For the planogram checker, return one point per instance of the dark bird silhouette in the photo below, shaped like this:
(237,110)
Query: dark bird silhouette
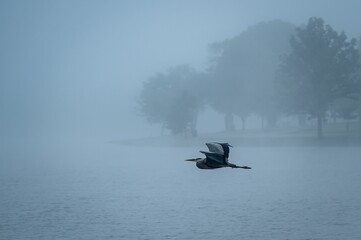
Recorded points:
(217,157)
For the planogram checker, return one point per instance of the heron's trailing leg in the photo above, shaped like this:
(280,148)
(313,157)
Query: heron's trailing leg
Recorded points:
(235,166)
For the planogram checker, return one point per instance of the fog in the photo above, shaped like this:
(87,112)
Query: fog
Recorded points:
(77,68)
(102,101)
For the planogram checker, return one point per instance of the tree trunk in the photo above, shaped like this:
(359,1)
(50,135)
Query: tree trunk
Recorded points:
(243,123)
(302,120)
(319,126)
(193,126)
(229,124)
(271,122)
(347,125)
(162,129)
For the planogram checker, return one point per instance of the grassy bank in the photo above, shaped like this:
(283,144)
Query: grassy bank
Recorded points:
(335,134)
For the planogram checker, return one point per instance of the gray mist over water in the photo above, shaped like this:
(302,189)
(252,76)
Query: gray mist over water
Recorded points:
(70,79)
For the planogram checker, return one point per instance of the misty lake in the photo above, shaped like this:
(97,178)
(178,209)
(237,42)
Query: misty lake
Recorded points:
(100,190)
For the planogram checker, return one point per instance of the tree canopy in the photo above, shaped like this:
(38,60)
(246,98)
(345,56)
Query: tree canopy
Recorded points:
(321,67)
(243,69)
(172,100)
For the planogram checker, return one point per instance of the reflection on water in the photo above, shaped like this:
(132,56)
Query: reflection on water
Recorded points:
(107,191)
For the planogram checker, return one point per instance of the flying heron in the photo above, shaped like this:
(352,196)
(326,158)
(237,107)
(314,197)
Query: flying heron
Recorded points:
(217,157)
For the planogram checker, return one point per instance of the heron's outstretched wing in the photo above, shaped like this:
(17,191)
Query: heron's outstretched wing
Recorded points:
(215,147)
(214,157)
(225,147)
(221,148)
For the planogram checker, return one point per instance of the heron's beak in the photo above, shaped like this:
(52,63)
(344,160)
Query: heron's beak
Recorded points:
(191,160)
(229,145)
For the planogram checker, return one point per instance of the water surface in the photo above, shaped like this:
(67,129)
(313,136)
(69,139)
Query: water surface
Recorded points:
(98,190)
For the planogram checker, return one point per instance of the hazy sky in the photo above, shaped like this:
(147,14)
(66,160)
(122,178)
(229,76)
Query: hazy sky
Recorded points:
(77,66)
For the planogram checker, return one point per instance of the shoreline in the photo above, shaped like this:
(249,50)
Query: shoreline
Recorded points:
(280,140)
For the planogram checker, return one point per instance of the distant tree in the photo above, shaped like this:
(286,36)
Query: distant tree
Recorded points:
(171,99)
(222,89)
(321,68)
(153,104)
(243,70)
(345,108)
(182,113)
(359,73)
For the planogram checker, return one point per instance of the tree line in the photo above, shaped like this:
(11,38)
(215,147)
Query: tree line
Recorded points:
(271,70)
